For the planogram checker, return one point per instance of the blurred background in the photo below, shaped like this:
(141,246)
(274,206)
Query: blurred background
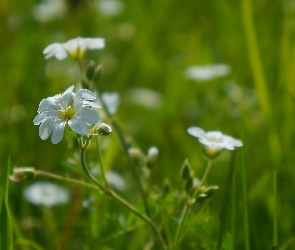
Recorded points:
(219,65)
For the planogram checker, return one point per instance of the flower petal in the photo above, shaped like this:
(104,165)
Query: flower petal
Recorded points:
(55,50)
(88,115)
(84,94)
(78,126)
(58,133)
(45,130)
(196,132)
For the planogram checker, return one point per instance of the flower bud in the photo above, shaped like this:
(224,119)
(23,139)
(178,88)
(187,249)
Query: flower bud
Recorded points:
(208,192)
(23,173)
(152,157)
(102,129)
(186,170)
(90,70)
(97,73)
(84,84)
(137,156)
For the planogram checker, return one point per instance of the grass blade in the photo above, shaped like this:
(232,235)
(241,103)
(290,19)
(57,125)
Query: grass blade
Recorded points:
(226,201)
(5,221)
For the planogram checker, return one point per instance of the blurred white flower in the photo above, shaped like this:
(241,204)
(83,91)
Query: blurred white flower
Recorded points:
(76,110)
(46,194)
(214,142)
(145,97)
(109,7)
(115,180)
(208,72)
(48,10)
(112,100)
(74,48)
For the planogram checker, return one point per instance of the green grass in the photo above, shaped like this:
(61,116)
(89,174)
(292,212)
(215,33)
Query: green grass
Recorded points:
(149,45)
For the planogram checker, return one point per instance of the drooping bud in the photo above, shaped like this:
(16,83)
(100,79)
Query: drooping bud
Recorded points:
(23,173)
(207,193)
(90,70)
(137,156)
(101,128)
(152,157)
(186,171)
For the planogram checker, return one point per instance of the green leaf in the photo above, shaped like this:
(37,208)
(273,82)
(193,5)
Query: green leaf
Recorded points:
(5,221)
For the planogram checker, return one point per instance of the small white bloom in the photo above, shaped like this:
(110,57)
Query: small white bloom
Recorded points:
(214,142)
(46,194)
(76,110)
(207,72)
(74,48)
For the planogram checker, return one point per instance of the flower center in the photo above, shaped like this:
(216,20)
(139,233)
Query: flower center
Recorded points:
(77,54)
(67,114)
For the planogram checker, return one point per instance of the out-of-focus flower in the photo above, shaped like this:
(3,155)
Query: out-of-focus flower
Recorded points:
(46,194)
(208,72)
(214,142)
(110,7)
(76,110)
(74,48)
(48,10)
(145,97)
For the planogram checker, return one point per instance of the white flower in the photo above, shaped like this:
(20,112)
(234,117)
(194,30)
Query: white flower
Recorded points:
(214,142)
(46,194)
(76,110)
(208,72)
(74,48)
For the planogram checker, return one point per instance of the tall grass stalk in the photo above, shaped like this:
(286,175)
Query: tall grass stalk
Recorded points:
(245,202)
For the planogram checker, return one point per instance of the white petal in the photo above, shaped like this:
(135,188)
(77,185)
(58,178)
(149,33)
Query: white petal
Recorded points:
(47,104)
(84,95)
(78,126)
(89,115)
(45,130)
(95,43)
(58,133)
(72,44)
(38,119)
(197,132)
(65,99)
(55,50)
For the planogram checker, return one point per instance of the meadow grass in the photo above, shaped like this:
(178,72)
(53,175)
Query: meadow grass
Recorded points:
(149,46)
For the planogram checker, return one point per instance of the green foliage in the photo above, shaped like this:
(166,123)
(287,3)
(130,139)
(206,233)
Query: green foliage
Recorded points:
(149,45)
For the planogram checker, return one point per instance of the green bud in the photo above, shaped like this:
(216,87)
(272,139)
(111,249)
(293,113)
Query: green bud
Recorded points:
(23,173)
(186,170)
(84,84)
(189,185)
(90,70)
(211,191)
(102,129)
(97,73)
(166,186)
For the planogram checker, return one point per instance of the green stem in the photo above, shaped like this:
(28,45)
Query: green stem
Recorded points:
(101,163)
(181,224)
(123,202)
(188,204)
(125,146)
(61,178)
(83,162)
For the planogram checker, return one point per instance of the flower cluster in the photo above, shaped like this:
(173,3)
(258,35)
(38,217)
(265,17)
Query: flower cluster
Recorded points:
(76,110)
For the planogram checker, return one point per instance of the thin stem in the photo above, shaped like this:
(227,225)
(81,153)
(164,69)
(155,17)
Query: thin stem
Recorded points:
(88,174)
(61,178)
(181,224)
(120,200)
(100,162)
(125,146)
(187,206)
